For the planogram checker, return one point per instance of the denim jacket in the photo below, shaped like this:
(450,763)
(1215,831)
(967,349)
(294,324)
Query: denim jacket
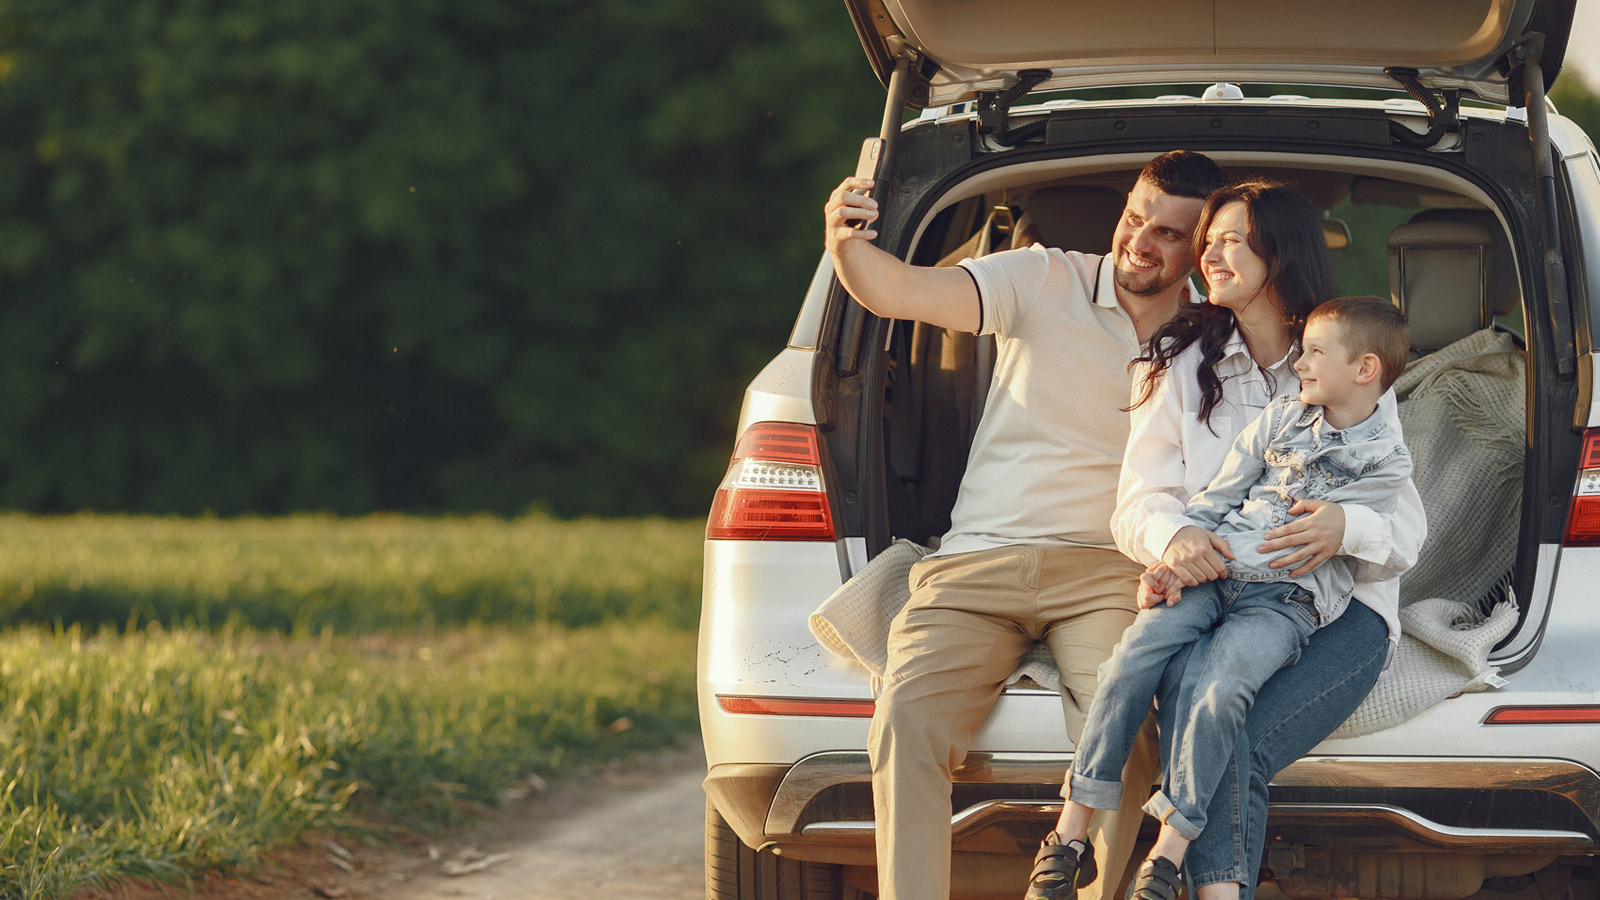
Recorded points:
(1288,453)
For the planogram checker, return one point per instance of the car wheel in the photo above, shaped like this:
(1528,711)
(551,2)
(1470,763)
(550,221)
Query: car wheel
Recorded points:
(736,872)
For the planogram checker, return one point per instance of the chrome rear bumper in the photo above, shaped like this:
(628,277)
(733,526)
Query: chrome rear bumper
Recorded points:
(1355,803)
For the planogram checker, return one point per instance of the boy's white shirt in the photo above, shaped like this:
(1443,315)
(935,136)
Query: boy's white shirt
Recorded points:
(1172,455)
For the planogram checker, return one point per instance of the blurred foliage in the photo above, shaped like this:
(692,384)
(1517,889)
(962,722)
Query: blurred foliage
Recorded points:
(426,255)
(1576,100)
(420,256)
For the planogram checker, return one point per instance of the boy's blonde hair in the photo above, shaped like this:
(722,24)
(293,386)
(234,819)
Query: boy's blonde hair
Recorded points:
(1370,325)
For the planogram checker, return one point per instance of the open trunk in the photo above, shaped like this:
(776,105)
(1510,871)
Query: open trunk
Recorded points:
(1453,240)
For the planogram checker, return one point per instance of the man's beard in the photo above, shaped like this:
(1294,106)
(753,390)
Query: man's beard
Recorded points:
(1143,285)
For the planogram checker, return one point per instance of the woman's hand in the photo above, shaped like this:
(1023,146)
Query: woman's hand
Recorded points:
(1195,555)
(1314,535)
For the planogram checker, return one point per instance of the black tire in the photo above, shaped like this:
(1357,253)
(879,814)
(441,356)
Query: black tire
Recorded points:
(736,872)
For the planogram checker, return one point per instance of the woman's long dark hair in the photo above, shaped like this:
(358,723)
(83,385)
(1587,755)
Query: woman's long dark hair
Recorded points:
(1286,232)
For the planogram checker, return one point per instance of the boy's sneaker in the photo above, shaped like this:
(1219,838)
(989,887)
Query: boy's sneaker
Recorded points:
(1060,869)
(1158,879)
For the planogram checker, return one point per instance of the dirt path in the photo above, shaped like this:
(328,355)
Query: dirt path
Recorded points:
(634,829)
(637,831)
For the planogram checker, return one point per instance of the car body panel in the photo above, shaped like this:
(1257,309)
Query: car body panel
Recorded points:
(781,392)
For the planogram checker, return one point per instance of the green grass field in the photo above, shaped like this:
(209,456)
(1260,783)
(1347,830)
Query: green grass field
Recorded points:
(180,695)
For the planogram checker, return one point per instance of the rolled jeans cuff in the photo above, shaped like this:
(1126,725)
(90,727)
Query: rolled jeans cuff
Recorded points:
(1196,881)
(1093,793)
(1160,806)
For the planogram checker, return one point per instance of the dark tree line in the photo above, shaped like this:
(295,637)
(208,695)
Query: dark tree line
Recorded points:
(422,255)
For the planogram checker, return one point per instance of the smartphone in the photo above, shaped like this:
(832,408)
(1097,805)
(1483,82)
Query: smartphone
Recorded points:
(867,167)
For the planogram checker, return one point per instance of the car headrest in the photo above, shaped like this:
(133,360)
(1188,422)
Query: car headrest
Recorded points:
(1505,295)
(1438,277)
(1072,217)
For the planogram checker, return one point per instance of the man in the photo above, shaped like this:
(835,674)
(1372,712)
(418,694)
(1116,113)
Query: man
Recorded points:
(1029,555)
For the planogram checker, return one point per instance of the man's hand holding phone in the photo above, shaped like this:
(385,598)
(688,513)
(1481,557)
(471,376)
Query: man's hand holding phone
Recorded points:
(868,166)
(851,207)
(882,282)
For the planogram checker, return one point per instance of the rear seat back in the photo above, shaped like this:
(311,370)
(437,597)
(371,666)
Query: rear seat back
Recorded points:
(1072,217)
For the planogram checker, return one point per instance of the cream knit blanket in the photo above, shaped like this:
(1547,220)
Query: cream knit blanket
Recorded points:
(1443,651)
(854,621)
(1463,411)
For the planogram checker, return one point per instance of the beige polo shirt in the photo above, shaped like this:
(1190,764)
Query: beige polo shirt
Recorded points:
(1044,462)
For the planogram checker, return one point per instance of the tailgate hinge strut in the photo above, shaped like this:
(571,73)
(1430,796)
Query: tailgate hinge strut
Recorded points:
(1443,115)
(908,82)
(1526,59)
(994,109)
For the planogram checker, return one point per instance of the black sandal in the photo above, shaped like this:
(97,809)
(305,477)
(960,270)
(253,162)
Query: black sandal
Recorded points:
(1059,870)
(1158,879)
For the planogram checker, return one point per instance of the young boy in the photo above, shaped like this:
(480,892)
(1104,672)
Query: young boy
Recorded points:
(1334,443)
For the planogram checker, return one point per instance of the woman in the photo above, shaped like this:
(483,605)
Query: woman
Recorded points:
(1206,375)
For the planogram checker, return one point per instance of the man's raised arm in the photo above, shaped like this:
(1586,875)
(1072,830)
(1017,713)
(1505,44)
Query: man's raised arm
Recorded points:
(892,288)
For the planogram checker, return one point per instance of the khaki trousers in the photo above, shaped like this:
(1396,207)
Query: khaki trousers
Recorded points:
(970,620)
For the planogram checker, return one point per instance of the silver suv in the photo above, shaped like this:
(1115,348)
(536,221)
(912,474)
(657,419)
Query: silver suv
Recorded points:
(1466,198)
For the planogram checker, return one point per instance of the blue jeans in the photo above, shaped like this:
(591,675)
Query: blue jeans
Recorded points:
(1293,712)
(1257,628)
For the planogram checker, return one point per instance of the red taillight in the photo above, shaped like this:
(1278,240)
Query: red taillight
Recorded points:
(1591,450)
(1544,715)
(783,442)
(782,706)
(1583,518)
(773,490)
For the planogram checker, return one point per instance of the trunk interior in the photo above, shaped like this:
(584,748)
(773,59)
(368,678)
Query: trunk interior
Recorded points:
(1462,284)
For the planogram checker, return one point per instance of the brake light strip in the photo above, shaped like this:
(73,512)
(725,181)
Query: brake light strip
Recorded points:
(790,706)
